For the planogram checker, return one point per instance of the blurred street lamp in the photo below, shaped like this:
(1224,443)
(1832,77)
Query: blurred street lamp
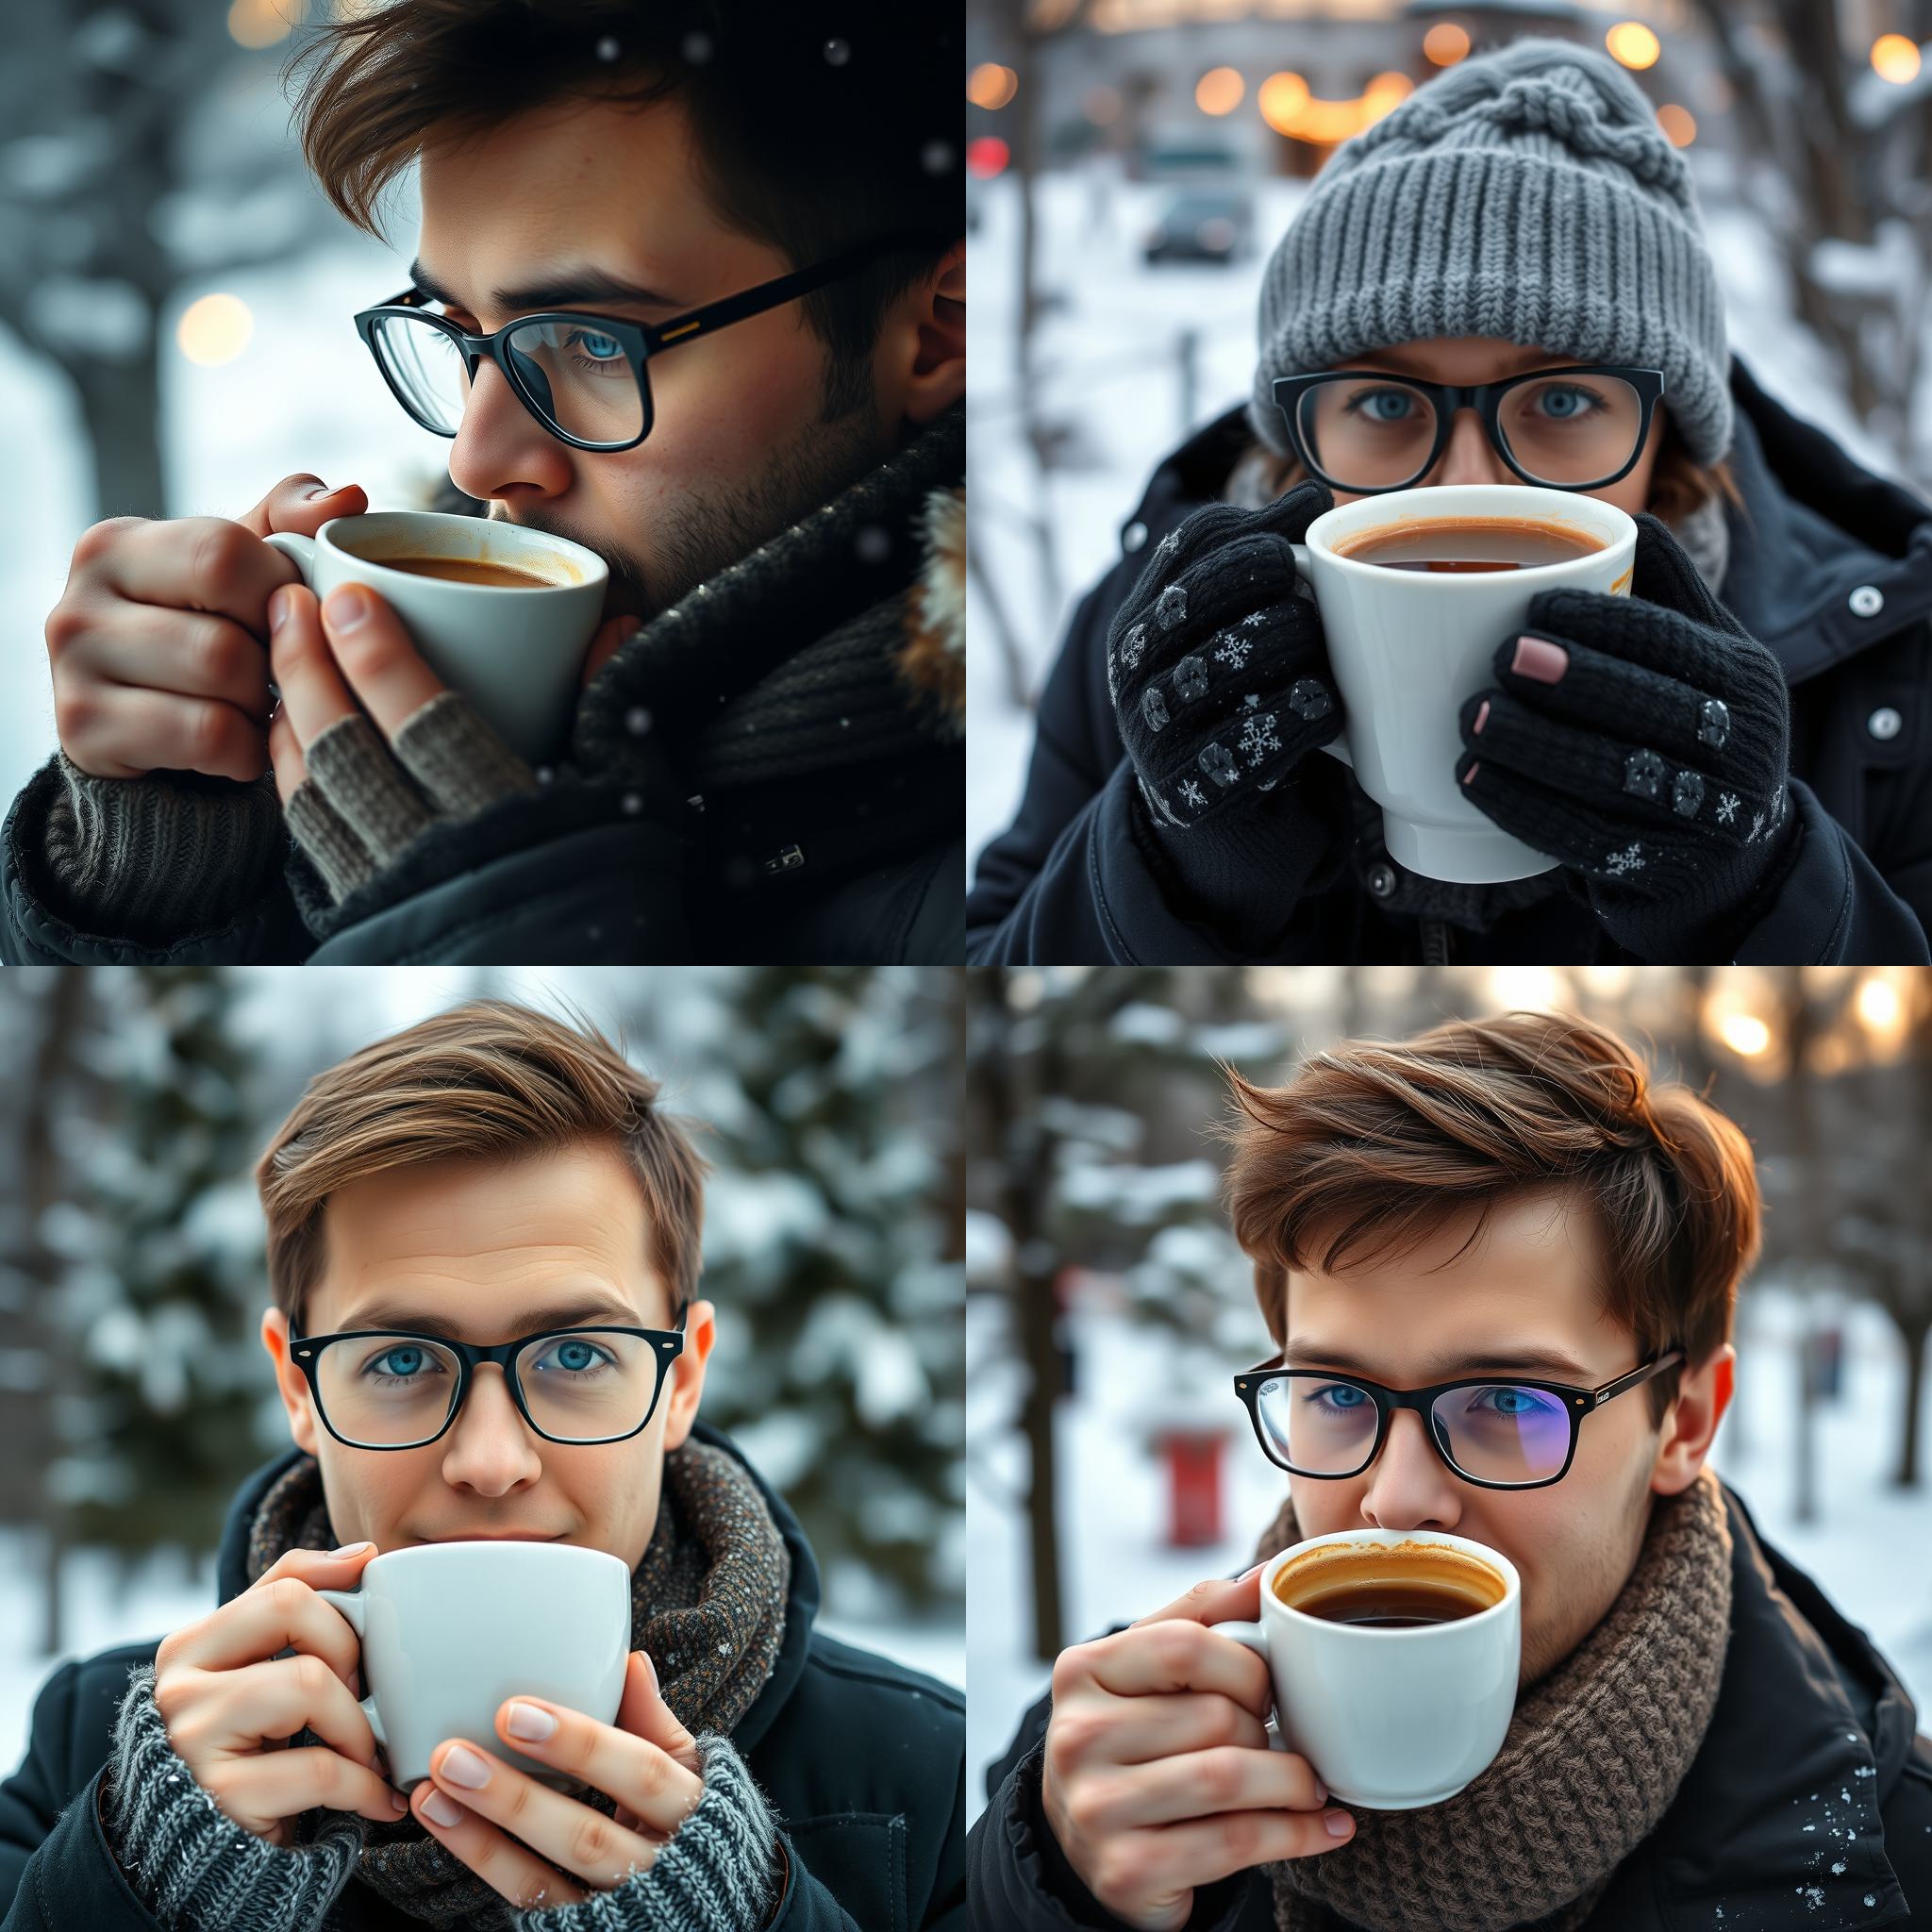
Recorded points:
(1633,43)
(1220,90)
(1281,98)
(258,23)
(1896,58)
(1446,44)
(1745,1034)
(986,157)
(992,86)
(214,331)
(1287,108)
(1679,125)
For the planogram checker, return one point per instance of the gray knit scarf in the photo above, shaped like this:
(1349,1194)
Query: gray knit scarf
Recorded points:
(708,1605)
(1592,1758)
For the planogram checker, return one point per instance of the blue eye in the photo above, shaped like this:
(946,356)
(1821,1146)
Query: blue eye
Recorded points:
(600,348)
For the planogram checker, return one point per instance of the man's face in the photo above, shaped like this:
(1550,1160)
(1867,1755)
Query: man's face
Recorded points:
(493,1247)
(1468,457)
(1527,1282)
(738,450)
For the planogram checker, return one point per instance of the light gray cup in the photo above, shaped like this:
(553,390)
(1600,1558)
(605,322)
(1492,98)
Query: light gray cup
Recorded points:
(516,655)
(1408,647)
(449,1631)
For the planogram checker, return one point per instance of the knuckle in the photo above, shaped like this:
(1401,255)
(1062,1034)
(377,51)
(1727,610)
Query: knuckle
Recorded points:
(221,552)
(1071,1669)
(1120,1874)
(1090,1804)
(592,1842)
(290,1595)
(314,1677)
(76,714)
(68,623)
(1244,1837)
(1218,1777)
(1075,1734)
(218,656)
(1228,1722)
(97,539)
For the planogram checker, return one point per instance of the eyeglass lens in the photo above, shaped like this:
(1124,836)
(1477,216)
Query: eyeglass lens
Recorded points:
(1497,1432)
(388,1391)
(580,379)
(1376,434)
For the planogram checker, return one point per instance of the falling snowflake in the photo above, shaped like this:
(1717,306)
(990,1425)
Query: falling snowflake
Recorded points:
(1255,620)
(1726,807)
(1171,606)
(1192,793)
(1258,736)
(1630,859)
(636,720)
(697,48)
(607,48)
(1234,651)
(936,157)
(633,803)
(837,53)
(872,544)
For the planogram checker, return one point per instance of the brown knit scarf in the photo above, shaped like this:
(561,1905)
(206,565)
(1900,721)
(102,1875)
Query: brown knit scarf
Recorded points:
(1593,1759)
(708,1605)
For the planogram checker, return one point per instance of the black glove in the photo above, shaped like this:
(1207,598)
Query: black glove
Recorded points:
(1648,752)
(1221,682)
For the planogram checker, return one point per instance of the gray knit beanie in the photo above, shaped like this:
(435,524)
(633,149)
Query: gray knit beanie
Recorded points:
(1526,194)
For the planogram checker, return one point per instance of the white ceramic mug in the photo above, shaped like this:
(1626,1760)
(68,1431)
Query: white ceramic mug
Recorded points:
(449,1631)
(1391,1720)
(516,655)
(1410,647)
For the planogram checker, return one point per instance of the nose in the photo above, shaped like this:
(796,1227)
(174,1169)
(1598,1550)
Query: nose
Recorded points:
(487,1448)
(501,450)
(1409,1487)
(1468,457)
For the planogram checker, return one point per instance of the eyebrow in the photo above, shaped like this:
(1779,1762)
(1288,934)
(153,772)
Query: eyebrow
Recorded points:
(388,1315)
(581,283)
(1402,365)
(1302,1352)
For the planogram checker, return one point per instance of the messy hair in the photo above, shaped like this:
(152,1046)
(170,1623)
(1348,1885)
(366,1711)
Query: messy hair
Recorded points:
(1374,1147)
(486,1079)
(815,127)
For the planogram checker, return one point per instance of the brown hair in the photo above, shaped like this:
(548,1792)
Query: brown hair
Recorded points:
(808,142)
(1678,482)
(488,1079)
(1373,1146)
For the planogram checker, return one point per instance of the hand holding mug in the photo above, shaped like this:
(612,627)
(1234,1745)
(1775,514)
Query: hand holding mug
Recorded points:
(1157,1776)
(230,1701)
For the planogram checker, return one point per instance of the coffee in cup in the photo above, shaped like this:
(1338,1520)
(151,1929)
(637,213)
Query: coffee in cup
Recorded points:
(1395,1657)
(1448,545)
(470,570)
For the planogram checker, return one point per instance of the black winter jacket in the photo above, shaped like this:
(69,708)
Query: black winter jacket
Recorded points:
(862,1760)
(1831,569)
(1807,1708)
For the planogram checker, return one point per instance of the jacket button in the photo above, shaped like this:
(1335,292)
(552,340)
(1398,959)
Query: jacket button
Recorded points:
(1381,881)
(1884,721)
(1133,537)
(1868,600)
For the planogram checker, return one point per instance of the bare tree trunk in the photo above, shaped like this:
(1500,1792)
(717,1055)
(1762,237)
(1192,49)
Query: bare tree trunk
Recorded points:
(1810,1223)
(1906,1474)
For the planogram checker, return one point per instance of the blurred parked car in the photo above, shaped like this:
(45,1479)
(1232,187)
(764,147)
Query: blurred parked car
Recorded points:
(1203,227)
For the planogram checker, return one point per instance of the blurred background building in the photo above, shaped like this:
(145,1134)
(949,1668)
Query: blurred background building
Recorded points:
(1131,165)
(134,1393)
(1110,1465)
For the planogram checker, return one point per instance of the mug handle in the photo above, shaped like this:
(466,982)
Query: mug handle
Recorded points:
(291,543)
(1256,1636)
(348,1601)
(1337,747)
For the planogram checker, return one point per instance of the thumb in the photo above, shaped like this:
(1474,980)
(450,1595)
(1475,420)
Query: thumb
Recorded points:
(644,1714)
(1291,513)
(301,505)
(1218,1599)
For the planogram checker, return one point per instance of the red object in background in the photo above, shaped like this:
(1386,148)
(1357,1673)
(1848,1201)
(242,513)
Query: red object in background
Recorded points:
(987,156)
(1193,1485)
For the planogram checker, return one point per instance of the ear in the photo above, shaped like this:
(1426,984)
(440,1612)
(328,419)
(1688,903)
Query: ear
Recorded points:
(1691,1421)
(290,1383)
(688,1374)
(930,340)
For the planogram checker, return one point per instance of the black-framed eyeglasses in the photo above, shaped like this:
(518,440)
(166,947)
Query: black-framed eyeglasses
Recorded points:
(392,1389)
(582,376)
(1499,1434)
(1366,431)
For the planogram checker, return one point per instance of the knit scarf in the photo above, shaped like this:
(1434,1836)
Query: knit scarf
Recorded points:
(1593,1756)
(708,1605)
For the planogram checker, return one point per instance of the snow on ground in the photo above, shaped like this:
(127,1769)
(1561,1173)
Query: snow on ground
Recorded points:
(166,1591)
(1109,369)
(1113,1502)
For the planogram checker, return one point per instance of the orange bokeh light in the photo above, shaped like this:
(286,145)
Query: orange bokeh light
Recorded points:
(1896,58)
(1220,90)
(1446,44)
(1678,123)
(990,85)
(1633,43)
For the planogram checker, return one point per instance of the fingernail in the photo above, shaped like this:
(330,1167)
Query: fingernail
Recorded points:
(1538,658)
(1321,1792)
(351,1549)
(346,606)
(461,1765)
(1471,774)
(526,1721)
(277,611)
(650,1669)
(316,494)
(440,1809)
(398,1802)
(1482,718)
(1339,1824)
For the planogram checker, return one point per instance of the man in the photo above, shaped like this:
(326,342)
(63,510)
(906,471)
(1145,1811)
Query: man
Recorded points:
(488,1176)
(767,757)
(1699,1735)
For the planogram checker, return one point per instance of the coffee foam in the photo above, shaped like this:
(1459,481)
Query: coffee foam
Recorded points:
(1336,1568)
